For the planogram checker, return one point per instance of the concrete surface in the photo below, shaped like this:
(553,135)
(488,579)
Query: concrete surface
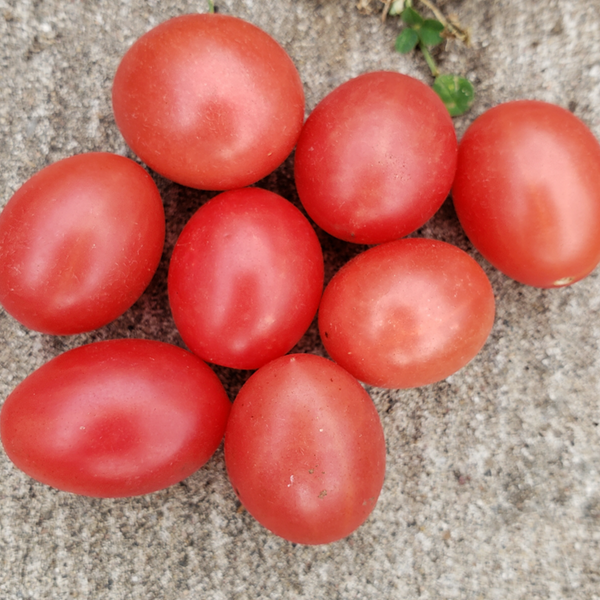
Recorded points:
(493,478)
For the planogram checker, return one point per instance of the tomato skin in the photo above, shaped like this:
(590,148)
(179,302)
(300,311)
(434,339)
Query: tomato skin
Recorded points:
(376,158)
(245,278)
(209,101)
(79,243)
(527,192)
(407,313)
(115,418)
(305,450)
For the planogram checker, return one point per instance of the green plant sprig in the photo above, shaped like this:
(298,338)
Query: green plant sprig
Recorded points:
(456,92)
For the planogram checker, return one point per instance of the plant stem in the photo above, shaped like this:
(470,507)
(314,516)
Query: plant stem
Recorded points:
(386,9)
(436,11)
(429,59)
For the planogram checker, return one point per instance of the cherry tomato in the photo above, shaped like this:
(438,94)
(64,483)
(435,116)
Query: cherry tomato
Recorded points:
(304,449)
(376,158)
(245,279)
(527,192)
(115,418)
(209,101)
(406,313)
(79,243)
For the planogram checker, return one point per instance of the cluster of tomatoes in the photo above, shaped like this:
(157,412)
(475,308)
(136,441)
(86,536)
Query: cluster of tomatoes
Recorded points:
(214,103)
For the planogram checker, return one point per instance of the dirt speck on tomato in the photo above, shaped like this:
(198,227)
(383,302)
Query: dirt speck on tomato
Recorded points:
(564,281)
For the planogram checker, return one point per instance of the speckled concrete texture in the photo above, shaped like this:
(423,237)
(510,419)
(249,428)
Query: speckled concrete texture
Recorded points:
(493,477)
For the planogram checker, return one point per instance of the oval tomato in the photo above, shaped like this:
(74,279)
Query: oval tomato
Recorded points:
(209,101)
(406,313)
(527,192)
(376,158)
(245,279)
(304,449)
(79,243)
(115,418)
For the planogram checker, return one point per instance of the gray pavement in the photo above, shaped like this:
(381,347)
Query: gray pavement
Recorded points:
(493,477)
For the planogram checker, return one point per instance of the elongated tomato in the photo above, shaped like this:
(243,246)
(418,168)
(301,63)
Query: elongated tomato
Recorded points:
(115,418)
(305,450)
(527,192)
(407,313)
(79,243)
(209,101)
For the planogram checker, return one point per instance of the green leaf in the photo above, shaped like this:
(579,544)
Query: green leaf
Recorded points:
(434,25)
(411,17)
(431,32)
(456,93)
(407,40)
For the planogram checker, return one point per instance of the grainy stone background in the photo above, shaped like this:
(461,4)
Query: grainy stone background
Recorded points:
(493,482)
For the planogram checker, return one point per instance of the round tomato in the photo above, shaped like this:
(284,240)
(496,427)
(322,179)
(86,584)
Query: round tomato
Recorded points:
(209,101)
(527,192)
(79,243)
(376,158)
(406,313)
(115,418)
(245,278)
(304,449)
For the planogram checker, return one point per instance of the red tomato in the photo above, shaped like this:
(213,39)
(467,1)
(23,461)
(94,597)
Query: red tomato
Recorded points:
(245,278)
(406,313)
(527,192)
(115,418)
(376,158)
(304,449)
(209,101)
(79,243)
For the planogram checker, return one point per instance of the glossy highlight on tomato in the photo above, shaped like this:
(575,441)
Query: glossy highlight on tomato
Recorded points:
(407,313)
(245,278)
(527,192)
(115,418)
(209,101)
(305,450)
(376,158)
(79,243)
